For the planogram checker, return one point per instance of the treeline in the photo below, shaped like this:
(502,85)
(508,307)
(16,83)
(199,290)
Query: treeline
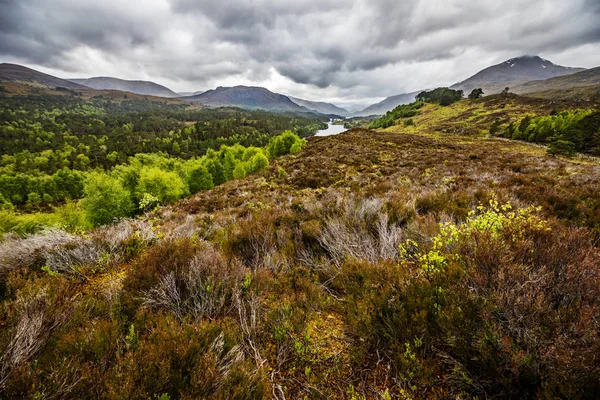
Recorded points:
(49,143)
(402,111)
(146,181)
(442,96)
(565,133)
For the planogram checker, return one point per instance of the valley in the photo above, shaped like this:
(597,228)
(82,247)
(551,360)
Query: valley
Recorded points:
(234,243)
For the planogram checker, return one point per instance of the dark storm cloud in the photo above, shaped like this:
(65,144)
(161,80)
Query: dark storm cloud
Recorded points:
(331,48)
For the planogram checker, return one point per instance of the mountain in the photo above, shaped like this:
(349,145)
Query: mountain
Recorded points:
(30,77)
(249,97)
(513,72)
(187,94)
(139,87)
(586,77)
(388,104)
(321,107)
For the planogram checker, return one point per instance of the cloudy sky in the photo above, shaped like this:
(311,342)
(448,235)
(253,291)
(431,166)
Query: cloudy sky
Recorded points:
(331,50)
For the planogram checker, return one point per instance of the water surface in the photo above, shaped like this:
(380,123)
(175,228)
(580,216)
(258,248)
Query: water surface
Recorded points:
(331,130)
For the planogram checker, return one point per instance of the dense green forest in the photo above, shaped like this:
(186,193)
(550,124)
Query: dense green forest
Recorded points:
(443,96)
(53,147)
(565,133)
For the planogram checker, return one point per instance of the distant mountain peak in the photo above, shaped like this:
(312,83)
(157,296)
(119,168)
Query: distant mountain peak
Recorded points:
(514,71)
(249,97)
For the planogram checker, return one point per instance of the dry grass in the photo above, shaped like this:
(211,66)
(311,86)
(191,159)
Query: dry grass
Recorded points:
(335,279)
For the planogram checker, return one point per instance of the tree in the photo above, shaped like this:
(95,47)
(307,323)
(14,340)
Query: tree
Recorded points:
(495,128)
(443,96)
(562,147)
(229,164)
(200,179)
(476,94)
(257,162)
(215,168)
(166,186)
(106,199)
(239,171)
(282,144)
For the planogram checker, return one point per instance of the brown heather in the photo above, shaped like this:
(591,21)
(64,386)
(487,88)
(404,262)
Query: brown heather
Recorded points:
(381,264)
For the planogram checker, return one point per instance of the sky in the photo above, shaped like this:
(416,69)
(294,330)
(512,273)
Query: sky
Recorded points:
(342,51)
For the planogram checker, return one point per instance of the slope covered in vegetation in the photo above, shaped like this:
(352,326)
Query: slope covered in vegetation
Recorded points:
(407,263)
(58,149)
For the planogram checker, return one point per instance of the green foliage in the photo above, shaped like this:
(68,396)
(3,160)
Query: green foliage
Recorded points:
(239,171)
(165,186)
(476,94)
(200,179)
(442,96)
(22,224)
(106,199)
(402,111)
(579,127)
(72,216)
(49,143)
(283,144)
(391,277)
(259,161)
(562,148)
(495,128)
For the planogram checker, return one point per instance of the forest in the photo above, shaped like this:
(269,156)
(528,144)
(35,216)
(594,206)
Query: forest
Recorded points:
(59,149)
(565,132)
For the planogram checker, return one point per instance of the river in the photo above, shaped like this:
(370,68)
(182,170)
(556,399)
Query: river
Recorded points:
(331,130)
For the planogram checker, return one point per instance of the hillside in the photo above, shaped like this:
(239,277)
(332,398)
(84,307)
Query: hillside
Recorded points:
(138,87)
(254,98)
(388,104)
(513,72)
(589,77)
(321,107)
(324,282)
(18,74)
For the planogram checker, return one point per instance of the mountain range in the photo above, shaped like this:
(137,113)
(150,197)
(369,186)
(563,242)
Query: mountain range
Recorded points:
(321,107)
(250,97)
(523,75)
(388,104)
(587,77)
(26,76)
(138,87)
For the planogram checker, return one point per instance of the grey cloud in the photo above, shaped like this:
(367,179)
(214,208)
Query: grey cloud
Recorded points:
(333,48)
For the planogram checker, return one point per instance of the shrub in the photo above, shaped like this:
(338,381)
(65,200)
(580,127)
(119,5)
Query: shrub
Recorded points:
(201,288)
(166,186)
(402,111)
(361,231)
(562,148)
(258,162)
(215,168)
(38,314)
(282,144)
(200,179)
(239,171)
(106,199)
